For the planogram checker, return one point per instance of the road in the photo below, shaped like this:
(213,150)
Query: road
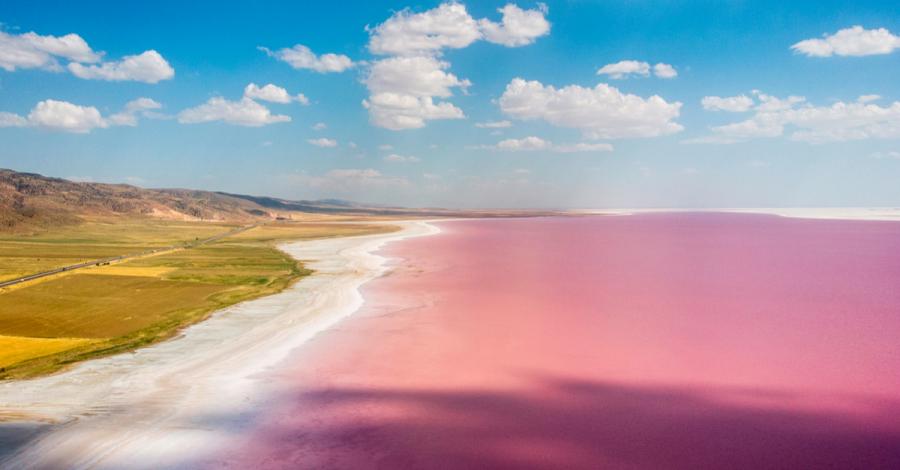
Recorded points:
(98,262)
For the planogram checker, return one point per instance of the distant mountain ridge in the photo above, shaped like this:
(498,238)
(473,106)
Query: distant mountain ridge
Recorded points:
(29,201)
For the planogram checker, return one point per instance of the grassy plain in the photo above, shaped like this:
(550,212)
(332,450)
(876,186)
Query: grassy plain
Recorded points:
(99,238)
(107,309)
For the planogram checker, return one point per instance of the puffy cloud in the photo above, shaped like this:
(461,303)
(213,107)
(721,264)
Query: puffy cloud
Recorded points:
(322,142)
(31,50)
(853,41)
(145,107)
(245,112)
(403,88)
(273,93)
(302,57)
(602,112)
(493,124)
(448,25)
(66,117)
(623,69)
(733,104)
(394,158)
(868,98)
(532,143)
(148,67)
(397,112)
(518,27)
(12,120)
(415,76)
(63,116)
(527,143)
(402,91)
(319,126)
(626,68)
(841,121)
(844,121)
(662,70)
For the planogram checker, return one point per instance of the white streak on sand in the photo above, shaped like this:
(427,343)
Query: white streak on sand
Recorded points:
(167,405)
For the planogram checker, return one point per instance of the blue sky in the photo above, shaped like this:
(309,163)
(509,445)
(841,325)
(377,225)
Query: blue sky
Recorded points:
(573,137)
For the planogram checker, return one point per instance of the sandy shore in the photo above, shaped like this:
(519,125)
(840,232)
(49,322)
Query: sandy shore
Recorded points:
(167,404)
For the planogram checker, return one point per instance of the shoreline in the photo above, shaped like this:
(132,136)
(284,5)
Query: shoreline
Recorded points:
(154,405)
(824,213)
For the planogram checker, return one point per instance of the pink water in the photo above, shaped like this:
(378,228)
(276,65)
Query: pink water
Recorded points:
(651,341)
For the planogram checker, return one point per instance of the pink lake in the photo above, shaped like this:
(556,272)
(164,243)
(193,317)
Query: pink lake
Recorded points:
(649,341)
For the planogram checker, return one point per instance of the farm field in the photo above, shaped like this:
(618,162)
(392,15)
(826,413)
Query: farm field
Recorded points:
(49,323)
(99,238)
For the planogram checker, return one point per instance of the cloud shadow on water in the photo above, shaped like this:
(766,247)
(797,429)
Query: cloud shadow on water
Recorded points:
(568,424)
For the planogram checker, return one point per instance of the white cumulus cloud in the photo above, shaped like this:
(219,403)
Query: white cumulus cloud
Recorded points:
(493,124)
(395,158)
(145,107)
(32,50)
(802,121)
(602,112)
(533,143)
(525,143)
(416,76)
(66,117)
(244,112)
(273,93)
(302,57)
(397,111)
(853,41)
(148,67)
(410,88)
(448,25)
(322,142)
(63,116)
(517,27)
(733,104)
(626,68)
(403,90)
(662,70)
(12,120)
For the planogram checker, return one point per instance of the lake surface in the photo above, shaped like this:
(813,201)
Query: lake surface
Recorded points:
(645,341)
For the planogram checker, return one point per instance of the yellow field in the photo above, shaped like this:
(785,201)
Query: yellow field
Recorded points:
(23,255)
(15,349)
(108,309)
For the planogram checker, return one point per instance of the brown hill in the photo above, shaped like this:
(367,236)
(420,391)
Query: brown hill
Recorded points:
(30,201)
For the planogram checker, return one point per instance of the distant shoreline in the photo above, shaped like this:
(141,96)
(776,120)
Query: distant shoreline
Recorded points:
(834,213)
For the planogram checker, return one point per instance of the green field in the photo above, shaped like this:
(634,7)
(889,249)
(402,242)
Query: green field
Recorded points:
(107,309)
(22,255)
